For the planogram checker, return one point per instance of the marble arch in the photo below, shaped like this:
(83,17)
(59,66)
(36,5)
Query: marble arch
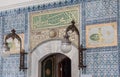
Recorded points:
(51,47)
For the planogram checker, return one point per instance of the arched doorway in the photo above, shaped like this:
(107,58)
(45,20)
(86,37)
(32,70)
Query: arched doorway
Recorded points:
(56,65)
(52,48)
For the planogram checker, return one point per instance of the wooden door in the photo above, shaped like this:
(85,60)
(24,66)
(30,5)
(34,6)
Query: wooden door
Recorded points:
(52,67)
(64,68)
(48,67)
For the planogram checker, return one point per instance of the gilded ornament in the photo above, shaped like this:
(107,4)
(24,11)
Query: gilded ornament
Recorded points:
(52,33)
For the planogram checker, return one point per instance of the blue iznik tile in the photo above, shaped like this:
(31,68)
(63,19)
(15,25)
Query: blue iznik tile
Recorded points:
(100,9)
(16,22)
(100,62)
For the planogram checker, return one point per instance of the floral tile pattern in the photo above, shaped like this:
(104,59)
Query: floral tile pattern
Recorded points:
(101,62)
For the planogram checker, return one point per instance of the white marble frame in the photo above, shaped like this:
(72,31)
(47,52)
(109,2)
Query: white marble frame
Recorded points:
(50,47)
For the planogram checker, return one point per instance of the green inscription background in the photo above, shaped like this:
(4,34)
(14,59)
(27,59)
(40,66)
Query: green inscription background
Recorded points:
(54,19)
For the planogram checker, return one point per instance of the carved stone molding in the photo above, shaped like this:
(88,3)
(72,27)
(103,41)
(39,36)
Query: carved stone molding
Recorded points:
(37,37)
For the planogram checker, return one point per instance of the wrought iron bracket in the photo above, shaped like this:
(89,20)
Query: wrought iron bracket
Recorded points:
(22,60)
(13,35)
(73,28)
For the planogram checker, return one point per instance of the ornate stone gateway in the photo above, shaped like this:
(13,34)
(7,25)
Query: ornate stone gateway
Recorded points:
(49,54)
(47,28)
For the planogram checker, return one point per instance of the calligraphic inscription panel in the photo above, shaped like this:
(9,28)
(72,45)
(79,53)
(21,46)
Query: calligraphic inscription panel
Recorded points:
(100,35)
(53,18)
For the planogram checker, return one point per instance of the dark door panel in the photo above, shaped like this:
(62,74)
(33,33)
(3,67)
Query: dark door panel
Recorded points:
(56,66)
(47,67)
